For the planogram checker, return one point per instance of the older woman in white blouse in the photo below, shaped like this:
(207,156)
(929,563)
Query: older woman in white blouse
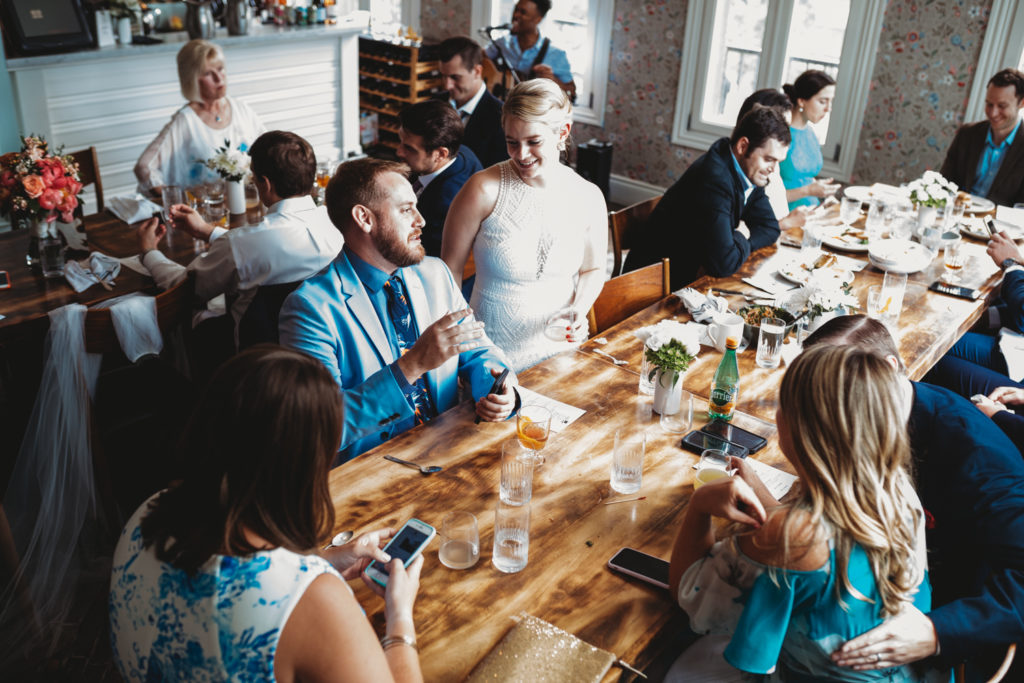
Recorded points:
(201,126)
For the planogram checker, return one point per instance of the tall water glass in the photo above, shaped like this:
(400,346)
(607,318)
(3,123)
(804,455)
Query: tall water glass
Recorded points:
(811,242)
(169,196)
(646,386)
(895,286)
(881,307)
(51,256)
(769,342)
(516,484)
(628,461)
(511,537)
(849,210)
(460,541)
(874,224)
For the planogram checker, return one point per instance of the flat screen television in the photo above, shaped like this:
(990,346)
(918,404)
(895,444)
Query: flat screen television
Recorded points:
(44,26)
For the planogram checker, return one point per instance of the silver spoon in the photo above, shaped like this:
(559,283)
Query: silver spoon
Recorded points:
(340,539)
(424,469)
(610,357)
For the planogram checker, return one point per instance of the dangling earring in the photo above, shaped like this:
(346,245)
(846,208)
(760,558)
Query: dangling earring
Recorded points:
(561,145)
(801,110)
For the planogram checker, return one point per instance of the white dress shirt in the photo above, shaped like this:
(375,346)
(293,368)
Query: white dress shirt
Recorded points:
(469,107)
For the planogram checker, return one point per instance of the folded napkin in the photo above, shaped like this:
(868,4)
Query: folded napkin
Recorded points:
(82,275)
(1012,346)
(132,209)
(702,307)
(136,326)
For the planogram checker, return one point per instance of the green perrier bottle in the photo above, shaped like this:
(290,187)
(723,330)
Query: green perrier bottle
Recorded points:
(725,387)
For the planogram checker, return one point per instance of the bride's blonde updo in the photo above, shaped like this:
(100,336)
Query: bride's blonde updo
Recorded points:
(539,100)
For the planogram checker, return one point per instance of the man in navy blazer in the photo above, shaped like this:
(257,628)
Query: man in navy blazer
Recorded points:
(345,317)
(970,479)
(717,212)
(462,68)
(431,144)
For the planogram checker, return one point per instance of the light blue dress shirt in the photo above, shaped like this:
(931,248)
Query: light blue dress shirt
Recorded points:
(748,186)
(991,159)
(522,60)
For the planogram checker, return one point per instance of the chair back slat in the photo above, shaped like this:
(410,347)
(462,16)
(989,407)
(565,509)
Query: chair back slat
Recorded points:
(625,224)
(627,294)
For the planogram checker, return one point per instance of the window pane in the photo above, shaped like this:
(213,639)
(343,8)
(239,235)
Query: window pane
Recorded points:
(734,58)
(816,42)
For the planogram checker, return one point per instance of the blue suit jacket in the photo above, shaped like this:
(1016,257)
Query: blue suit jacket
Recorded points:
(438,195)
(970,477)
(694,224)
(331,318)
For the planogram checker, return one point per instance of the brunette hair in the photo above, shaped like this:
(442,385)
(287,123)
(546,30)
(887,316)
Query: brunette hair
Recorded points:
(257,450)
(1009,77)
(356,182)
(842,409)
(859,331)
(766,97)
(807,85)
(286,160)
(192,60)
(437,122)
(461,46)
(759,125)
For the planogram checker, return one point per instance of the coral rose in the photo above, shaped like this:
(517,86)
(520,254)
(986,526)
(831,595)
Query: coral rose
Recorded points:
(49,199)
(34,185)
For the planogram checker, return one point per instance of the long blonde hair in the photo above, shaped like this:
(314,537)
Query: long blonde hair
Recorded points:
(844,411)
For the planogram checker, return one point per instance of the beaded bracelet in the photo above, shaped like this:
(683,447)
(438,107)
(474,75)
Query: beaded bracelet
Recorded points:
(391,641)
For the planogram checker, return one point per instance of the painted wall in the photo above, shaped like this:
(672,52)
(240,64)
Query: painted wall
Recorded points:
(9,141)
(440,19)
(918,94)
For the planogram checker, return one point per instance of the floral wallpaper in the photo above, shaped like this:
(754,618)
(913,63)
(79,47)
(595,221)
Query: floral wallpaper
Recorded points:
(923,76)
(440,19)
(918,92)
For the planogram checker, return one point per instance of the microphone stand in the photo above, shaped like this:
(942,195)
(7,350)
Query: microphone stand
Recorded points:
(501,61)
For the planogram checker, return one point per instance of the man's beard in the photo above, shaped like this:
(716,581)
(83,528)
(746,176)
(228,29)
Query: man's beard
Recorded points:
(392,248)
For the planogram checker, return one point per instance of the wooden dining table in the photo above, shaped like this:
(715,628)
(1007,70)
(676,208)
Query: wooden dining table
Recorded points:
(576,525)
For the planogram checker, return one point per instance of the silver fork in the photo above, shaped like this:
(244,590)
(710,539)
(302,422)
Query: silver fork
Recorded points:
(610,357)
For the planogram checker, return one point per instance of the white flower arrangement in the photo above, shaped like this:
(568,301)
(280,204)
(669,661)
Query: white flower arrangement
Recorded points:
(823,294)
(230,163)
(931,189)
(671,345)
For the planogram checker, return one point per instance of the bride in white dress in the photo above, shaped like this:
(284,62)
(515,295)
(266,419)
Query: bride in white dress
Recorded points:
(538,232)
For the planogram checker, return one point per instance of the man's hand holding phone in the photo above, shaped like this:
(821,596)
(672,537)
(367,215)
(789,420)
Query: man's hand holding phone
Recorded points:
(499,403)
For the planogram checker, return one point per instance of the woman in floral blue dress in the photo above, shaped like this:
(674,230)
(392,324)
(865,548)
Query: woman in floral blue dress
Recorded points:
(794,581)
(217,577)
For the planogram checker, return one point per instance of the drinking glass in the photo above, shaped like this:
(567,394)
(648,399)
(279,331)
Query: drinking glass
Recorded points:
(811,241)
(217,215)
(895,286)
(954,260)
(628,461)
(680,421)
(460,541)
(169,196)
(881,307)
(51,256)
(215,191)
(874,224)
(252,204)
(849,210)
(646,386)
(713,464)
(516,485)
(902,227)
(511,537)
(533,426)
(769,342)
(954,216)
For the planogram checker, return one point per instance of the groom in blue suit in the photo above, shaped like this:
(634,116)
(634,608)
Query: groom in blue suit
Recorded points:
(389,323)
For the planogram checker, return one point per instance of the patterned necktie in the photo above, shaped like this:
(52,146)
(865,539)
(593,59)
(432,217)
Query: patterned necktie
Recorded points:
(417,187)
(465,115)
(401,318)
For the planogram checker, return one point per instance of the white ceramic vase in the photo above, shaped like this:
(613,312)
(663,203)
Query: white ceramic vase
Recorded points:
(236,196)
(926,215)
(668,390)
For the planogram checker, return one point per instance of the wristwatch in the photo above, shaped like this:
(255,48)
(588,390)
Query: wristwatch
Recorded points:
(1007,262)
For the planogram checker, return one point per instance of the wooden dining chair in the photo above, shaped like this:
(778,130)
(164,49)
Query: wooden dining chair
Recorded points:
(624,295)
(624,225)
(960,676)
(173,307)
(89,172)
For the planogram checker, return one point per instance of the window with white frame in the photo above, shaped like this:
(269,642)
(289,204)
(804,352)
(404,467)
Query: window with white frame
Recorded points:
(1003,47)
(733,47)
(580,27)
(387,16)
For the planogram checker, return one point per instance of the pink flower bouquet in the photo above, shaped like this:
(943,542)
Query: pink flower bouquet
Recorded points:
(37,184)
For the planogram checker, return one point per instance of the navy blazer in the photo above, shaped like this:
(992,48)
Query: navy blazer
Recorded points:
(961,164)
(484,134)
(970,477)
(694,224)
(438,195)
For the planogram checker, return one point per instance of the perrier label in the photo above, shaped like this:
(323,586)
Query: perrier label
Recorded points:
(725,386)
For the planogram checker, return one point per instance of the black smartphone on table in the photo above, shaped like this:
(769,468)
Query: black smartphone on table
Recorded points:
(649,568)
(698,442)
(737,435)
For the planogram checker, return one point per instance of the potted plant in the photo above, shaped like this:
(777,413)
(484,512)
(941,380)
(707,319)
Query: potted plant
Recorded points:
(822,299)
(232,164)
(670,347)
(928,193)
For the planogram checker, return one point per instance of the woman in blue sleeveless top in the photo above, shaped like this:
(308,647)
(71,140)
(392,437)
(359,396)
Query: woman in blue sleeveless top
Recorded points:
(811,94)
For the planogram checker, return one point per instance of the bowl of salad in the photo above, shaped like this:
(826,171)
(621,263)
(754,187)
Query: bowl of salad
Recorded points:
(752,316)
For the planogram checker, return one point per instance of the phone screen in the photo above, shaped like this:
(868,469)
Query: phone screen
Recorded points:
(5,279)
(641,565)
(752,442)
(698,442)
(404,546)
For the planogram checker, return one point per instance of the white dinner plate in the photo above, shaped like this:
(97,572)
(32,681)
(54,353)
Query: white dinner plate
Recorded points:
(980,205)
(861,193)
(799,271)
(899,256)
(844,238)
(973,227)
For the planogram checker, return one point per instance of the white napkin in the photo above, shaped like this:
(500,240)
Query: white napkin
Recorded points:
(769,282)
(1012,345)
(703,307)
(135,263)
(132,209)
(136,326)
(74,235)
(82,275)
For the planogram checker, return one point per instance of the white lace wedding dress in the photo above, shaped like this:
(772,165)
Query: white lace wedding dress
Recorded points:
(527,253)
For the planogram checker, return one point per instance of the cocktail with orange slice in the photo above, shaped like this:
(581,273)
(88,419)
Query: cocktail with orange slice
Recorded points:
(533,426)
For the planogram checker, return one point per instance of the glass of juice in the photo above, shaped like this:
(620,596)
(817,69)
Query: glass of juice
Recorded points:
(714,464)
(533,426)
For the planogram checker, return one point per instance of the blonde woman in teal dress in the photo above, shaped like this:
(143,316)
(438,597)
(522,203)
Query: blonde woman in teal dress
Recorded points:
(790,583)
(811,94)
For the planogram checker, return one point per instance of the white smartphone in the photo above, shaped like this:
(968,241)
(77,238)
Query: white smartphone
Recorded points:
(409,542)
(649,568)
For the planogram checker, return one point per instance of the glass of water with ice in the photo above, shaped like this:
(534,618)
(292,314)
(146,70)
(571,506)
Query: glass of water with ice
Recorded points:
(628,461)
(511,537)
